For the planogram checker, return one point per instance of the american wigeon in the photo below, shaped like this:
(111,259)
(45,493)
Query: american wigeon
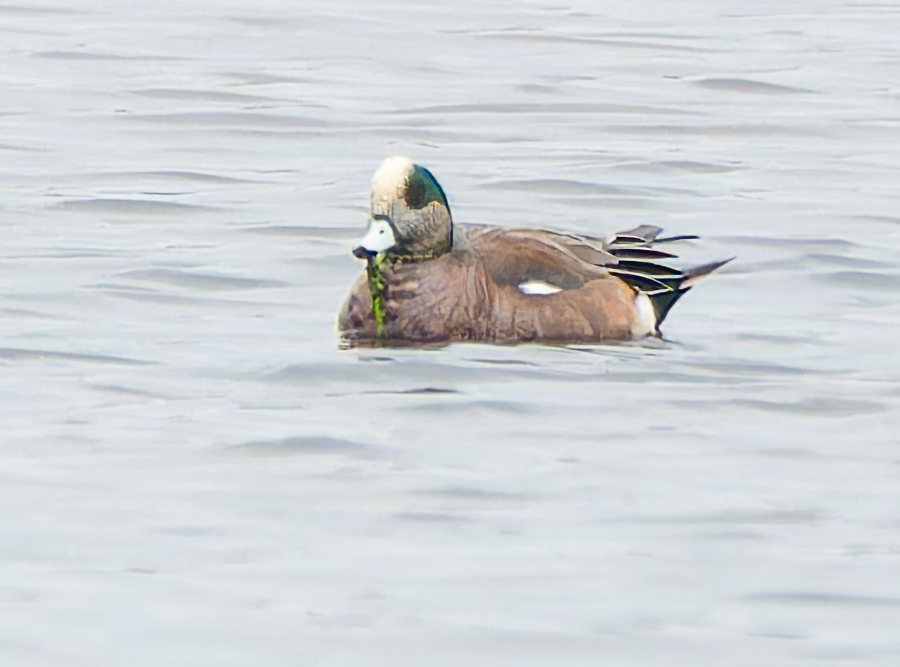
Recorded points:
(430,281)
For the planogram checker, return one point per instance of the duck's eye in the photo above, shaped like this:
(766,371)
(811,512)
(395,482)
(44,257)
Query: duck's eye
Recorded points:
(381,231)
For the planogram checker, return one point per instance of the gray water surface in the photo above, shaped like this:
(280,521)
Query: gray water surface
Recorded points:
(193,472)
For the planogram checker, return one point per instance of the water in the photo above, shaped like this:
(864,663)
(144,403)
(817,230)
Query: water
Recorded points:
(193,472)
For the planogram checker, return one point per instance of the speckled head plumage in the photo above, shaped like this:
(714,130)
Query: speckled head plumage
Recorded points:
(409,199)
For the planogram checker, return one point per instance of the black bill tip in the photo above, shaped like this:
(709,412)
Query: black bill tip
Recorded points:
(363,253)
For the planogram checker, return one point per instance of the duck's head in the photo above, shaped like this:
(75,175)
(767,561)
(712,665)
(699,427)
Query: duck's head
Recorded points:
(410,214)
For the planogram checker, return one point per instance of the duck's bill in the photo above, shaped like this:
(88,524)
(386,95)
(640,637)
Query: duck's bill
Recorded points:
(378,239)
(362,253)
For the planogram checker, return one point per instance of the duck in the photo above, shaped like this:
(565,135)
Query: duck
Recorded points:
(430,281)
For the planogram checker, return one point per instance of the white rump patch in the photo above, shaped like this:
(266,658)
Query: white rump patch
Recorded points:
(379,238)
(389,180)
(538,287)
(645,320)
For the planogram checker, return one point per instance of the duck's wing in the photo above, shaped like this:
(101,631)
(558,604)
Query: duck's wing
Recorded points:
(541,255)
(564,260)
(524,256)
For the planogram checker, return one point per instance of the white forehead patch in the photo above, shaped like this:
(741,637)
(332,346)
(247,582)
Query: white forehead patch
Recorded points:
(379,238)
(538,287)
(389,180)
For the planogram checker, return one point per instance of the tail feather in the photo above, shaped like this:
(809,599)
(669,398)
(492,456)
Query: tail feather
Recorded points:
(641,281)
(697,273)
(658,271)
(645,234)
(683,237)
(643,253)
(638,267)
(663,301)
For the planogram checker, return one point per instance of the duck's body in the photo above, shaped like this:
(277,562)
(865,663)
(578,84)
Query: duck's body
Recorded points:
(501,285)
(473,293)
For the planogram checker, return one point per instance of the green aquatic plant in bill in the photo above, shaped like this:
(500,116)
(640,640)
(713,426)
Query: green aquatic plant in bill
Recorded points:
(377,284)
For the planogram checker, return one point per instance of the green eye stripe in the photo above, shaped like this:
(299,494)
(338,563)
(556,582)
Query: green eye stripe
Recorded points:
(422,188)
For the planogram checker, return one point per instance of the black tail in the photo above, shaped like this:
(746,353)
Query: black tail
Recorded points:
(637,267)
(663,301)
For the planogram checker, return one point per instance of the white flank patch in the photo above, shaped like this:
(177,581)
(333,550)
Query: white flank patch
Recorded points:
(390,178)
(645,322)
(379,238)
(538,287)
